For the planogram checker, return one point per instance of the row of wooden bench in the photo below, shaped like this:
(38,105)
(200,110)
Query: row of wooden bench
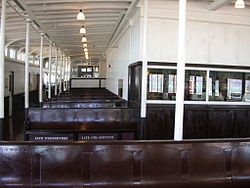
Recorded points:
(91,114)
(186,164)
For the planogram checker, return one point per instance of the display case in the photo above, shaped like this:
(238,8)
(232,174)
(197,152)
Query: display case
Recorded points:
(202,84)
(161,84)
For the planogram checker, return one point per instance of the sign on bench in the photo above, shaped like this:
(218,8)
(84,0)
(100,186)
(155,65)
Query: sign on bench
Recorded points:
(97,136)
(50,137)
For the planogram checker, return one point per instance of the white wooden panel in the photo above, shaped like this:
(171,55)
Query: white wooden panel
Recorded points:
(85,83)
(118,59)
(220,37)
(154,39)
(244,52)
(169,40)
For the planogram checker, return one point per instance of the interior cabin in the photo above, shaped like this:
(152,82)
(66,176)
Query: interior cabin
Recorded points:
(125,93)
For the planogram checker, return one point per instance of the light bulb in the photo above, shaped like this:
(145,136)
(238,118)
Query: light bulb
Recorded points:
(85,49)
(80,15)
(239,4)
(85,45)
(83,30)
(84,39)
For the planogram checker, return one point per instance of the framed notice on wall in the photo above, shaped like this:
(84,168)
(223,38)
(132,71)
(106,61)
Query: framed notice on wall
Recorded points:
(247,90)
(199,82)
(234,88)
(171,80)
(191,84)
(160,78)
(216,88)
(156,83)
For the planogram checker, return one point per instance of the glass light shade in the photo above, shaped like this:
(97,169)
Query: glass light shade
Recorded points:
(83,30)
(87,57)
(85,49)
(80,15)
(85,45)
(84,39)
(86,53)
(239,4)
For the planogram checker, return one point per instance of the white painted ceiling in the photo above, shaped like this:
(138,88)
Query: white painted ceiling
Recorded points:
(57,18)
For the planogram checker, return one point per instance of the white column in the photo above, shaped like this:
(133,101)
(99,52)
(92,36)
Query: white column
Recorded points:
(69,72)
(26,86)
(41,71)
(60,81)
(179,107)
(64,68)
(64,65)
(144,62)
(56,80)
(2,54)
(50,58)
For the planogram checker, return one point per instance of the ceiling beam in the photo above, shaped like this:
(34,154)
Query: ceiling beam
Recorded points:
(77,6)
(218,4)
(32,2)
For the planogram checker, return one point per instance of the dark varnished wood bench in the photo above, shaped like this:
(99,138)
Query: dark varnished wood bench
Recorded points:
(91,97)
(80,124)
(182,164)
(82,104)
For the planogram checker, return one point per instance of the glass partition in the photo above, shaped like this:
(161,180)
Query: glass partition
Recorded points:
(229,86)
(195,85)
(222,84)
(161,84)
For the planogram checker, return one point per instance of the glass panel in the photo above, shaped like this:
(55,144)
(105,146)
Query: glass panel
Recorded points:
(195,85)
(6,52)
(229,86)
(12,53)
(161,84)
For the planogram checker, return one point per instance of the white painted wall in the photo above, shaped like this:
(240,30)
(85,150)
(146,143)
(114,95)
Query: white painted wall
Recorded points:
(127,52)
(213,37)
(18,69)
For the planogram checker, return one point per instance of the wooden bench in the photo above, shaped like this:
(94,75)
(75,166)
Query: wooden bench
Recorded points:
(83,97)
(90,104)
(76,123)
(182,164)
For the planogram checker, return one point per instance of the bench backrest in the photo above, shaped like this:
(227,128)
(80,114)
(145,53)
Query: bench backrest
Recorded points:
(60,104)
(44,117)
(126,164)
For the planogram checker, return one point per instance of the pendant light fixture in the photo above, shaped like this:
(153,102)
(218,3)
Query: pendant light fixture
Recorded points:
(239,4)
(85,45)
(85,49)
(83,30)
(84,39)
(87,56)
(80,15)
(86,53)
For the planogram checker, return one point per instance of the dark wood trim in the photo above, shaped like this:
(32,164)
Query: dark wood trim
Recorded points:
(1,129)
(135,64)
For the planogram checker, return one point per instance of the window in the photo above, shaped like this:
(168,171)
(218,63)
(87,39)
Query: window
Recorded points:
(201,84)
(195,85)
(12,53)
(31,59)
(161,84)
(229,86)
(6,52)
